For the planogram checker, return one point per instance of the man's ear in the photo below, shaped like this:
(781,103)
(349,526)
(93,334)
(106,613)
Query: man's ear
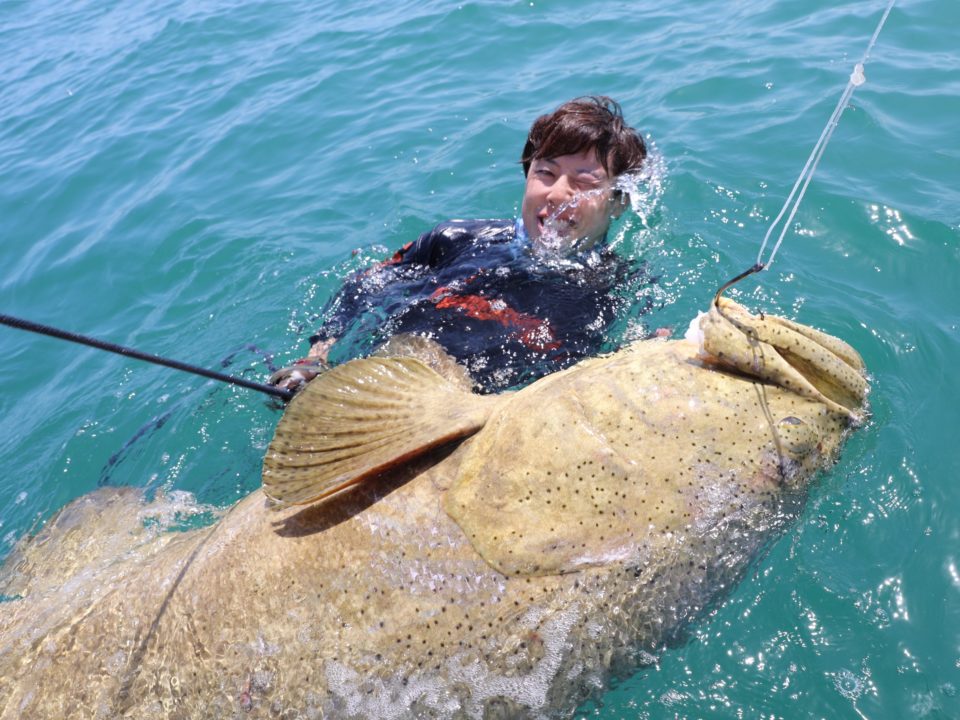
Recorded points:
(618,203)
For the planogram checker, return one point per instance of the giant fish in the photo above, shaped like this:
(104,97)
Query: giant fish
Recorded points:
(389,568)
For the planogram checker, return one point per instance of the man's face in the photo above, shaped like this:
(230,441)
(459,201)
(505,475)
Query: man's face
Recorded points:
(568,201)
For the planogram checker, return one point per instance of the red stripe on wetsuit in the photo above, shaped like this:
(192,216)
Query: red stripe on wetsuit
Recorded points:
(535,333)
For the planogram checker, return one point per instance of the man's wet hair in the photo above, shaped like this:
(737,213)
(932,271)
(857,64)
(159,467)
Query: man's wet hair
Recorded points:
(583,123)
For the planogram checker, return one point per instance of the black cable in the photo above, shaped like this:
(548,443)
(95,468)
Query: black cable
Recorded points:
(130,352)
(730,283)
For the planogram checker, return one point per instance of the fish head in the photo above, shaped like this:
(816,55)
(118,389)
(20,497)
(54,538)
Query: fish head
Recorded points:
(657,450)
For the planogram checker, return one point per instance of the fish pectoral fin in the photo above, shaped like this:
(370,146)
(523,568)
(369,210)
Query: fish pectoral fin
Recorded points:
(362,418)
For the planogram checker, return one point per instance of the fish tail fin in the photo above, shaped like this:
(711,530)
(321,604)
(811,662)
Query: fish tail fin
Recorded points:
(360,419)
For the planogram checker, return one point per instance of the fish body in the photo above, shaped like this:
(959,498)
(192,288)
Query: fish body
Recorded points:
(590,517)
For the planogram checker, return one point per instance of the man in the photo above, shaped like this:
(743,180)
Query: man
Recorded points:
(511,300)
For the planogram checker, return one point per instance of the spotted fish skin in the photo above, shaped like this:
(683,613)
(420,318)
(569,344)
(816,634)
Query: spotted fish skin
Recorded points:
(633,451)
(592,518)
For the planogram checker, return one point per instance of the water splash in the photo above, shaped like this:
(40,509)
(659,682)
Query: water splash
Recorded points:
(642,191)
(644,188)
(560,236)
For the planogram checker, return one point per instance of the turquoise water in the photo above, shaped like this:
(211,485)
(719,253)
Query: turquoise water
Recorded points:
(194,178)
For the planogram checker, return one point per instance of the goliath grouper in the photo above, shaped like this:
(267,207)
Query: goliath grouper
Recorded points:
(387,572)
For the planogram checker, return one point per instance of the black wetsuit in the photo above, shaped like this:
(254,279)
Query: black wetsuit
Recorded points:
(475,287)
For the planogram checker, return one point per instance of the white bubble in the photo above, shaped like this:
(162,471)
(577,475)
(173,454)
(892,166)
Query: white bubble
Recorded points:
(857,77)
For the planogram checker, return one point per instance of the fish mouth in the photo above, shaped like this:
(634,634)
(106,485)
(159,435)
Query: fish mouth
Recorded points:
(796,357)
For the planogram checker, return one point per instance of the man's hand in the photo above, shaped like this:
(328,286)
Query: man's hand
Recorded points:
(295,377)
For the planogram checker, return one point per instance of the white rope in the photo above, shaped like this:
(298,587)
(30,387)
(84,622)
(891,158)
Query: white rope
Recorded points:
(857,78)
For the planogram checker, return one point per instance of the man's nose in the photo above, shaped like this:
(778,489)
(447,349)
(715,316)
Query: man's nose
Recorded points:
(560,192)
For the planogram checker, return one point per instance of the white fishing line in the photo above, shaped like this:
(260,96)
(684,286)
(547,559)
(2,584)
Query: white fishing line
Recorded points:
(857,78)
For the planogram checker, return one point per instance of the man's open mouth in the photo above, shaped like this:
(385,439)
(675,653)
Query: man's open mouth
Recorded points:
(557,225)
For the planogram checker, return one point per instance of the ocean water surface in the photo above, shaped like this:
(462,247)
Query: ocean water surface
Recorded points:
(194,178)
